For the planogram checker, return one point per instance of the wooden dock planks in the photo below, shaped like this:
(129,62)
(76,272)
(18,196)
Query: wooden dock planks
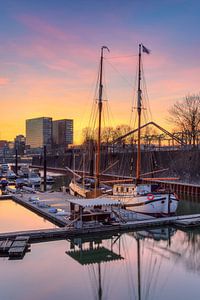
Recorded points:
(16,252)
(5,245)
(14,248)
(18,247)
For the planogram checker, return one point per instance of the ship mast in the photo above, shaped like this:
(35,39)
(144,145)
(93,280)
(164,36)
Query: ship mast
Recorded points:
(100,116)
(139,108)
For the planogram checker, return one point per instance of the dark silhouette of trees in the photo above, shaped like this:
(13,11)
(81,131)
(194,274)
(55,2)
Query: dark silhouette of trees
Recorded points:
(185,115)
(108,134)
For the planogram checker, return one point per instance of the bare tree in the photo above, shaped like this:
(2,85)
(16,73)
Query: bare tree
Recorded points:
(107,135)
(120,130)
(185,115)
(88,135)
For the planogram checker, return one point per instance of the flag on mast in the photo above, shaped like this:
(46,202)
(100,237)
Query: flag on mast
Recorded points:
(145,50)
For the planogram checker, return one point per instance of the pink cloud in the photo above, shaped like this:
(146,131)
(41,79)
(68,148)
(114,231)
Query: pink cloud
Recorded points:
(38,25)
(61,65)
(69,43)
(61,57)
(4,80)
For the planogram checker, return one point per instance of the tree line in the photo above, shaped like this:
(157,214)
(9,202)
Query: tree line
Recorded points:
(183,116)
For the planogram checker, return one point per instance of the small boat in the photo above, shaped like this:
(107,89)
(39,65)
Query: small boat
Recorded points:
(4,168)
(24,171)
(36,171)
(33,179)
(49,179)
(20,182)
(3,182)
(11,175)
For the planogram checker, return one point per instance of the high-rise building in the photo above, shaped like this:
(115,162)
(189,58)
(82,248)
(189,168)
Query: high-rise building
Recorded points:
(62,133)
(19,143)
(39,132)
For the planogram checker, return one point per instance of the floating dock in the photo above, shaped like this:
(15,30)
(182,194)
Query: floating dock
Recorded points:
(69,232)
(14,248)
(58,200)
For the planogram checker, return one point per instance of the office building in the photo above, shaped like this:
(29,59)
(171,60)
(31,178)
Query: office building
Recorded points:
(20,143)
(39,132)
(62,133)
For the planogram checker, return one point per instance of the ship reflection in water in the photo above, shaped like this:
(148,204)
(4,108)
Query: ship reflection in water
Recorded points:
(144,263)
(163,263)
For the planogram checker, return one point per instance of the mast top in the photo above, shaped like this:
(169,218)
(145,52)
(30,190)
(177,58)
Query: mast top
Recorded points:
(105,47)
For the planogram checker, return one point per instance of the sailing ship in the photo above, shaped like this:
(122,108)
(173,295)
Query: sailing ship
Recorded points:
(90,187)
(144,198)
(139,197)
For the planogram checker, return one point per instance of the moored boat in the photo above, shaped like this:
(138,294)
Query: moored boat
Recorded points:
(3,183)
(10,175)
(33,179)
(4,168)
(49,179)
(144,198)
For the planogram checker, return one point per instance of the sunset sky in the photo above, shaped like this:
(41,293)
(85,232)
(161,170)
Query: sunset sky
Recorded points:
(49,55)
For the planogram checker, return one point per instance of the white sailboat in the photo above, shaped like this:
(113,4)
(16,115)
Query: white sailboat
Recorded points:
(144,198)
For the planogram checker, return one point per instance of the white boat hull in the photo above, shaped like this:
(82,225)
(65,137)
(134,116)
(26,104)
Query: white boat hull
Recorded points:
(140,198)
(158,205)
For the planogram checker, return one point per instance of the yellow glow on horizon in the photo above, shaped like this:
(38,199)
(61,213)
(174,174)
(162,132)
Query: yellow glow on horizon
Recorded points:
(13,119)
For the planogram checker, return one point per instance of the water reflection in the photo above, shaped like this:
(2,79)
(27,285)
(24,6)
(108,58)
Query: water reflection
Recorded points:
(188,245)
(156,264)
(92,253)
(96,252)
(14,217)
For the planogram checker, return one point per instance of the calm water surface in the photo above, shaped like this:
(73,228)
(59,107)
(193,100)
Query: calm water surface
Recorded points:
(14,217)
(159,264)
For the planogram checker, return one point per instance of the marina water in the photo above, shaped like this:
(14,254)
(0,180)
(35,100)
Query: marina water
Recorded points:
(162,263)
